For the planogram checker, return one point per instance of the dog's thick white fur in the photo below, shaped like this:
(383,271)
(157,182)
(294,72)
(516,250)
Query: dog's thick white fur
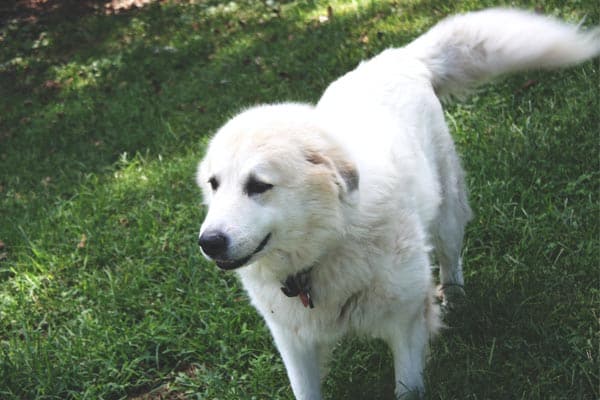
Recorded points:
(349,196)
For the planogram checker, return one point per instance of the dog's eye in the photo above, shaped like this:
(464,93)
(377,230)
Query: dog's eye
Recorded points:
(214,183)
(254,186)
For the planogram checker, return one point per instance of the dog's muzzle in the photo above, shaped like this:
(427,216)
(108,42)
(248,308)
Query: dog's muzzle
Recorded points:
(215,245)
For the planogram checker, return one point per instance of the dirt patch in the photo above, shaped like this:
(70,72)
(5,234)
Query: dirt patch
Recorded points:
(32,11)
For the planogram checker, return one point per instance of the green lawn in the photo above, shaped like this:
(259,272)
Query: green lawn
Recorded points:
(103,292)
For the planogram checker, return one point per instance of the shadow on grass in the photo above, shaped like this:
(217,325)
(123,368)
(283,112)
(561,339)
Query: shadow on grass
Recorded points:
(79,92)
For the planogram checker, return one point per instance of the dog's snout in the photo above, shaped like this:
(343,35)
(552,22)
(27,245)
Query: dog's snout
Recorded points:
(213,243)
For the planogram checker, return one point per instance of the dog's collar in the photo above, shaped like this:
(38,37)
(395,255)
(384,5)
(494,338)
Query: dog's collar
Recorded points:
(299,285)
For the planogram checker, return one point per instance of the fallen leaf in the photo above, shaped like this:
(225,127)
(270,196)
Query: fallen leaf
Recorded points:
(52,85)
(529,83)
(525,86)
(117,6)
(82,242)
(326,18)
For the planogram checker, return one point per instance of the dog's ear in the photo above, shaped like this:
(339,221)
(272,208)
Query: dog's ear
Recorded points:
(344,171)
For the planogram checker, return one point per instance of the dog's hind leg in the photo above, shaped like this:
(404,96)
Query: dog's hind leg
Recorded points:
(448,233)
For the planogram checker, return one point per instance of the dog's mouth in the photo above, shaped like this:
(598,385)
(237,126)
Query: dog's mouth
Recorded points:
(233,264)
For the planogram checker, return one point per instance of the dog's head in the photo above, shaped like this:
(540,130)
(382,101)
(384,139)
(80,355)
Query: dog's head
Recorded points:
(276,187)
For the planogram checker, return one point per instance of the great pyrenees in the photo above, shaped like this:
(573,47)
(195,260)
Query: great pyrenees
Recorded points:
(328,212)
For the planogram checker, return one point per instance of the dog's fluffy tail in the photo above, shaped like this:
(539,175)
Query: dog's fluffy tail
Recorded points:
(464,50)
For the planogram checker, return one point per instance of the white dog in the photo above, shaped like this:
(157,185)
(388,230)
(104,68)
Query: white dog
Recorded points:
(328,212)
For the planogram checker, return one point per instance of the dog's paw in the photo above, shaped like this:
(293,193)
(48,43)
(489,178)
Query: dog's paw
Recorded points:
(410,395)
(452,297)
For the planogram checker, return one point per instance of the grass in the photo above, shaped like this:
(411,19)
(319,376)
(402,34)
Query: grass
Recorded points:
(103,293)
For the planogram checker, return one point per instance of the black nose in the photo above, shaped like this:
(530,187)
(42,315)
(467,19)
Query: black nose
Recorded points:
(213,243)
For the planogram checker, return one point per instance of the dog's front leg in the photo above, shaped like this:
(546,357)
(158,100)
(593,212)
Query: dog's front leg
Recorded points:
(407,338)
(301,359)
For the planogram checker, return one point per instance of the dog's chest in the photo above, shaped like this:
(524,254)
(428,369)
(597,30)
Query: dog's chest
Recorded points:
(338,305)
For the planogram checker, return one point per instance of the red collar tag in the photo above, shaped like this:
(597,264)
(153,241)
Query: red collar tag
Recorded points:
(305,299)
